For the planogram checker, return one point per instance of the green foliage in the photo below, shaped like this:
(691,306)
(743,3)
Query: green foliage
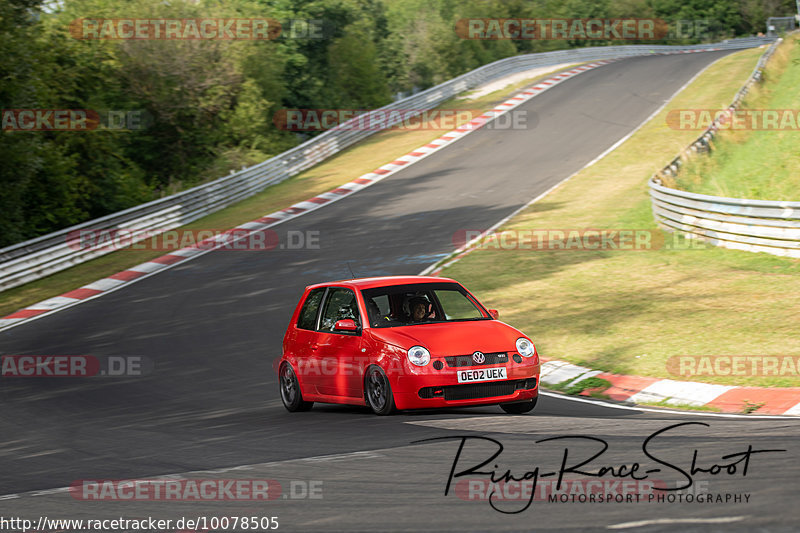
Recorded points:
(592,383)
(586,384)
(758,164)
(210,103)
(356,77)
(750,407)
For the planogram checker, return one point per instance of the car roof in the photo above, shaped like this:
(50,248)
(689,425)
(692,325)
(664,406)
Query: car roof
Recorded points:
(383,281)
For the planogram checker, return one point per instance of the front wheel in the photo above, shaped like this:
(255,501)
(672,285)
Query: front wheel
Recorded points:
(519,408)
(378,391)
(290,391)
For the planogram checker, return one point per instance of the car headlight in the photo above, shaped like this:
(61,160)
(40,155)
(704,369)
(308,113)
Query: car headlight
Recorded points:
(419,355)
(525,347)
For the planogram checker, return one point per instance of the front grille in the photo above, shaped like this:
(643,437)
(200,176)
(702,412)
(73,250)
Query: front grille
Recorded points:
(473,391)
(496,358)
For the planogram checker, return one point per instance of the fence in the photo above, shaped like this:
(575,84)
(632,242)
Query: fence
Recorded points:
(777,25)
(48,254)
(751,225)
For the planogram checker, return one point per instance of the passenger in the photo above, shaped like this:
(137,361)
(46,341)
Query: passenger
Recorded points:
(374,312)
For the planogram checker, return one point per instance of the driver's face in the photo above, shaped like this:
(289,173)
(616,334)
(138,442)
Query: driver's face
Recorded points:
(418,313)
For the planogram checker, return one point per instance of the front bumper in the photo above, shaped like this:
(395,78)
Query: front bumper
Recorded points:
(440,388)
(468,394)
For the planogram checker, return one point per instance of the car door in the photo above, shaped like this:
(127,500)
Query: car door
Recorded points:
(304,340)
(338,353)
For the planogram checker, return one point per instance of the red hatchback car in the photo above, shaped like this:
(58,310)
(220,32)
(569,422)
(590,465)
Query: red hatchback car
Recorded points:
(404,343)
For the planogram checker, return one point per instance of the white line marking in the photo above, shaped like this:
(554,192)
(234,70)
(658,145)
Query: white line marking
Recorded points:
(658,521)
(663,411)
(343,457)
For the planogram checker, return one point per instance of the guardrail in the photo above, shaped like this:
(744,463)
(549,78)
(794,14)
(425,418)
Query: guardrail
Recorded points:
(48,254)
(751,225)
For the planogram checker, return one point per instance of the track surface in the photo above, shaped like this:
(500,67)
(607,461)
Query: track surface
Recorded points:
(214,325)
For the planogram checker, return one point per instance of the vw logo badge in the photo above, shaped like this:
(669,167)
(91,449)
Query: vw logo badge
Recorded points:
(479,358)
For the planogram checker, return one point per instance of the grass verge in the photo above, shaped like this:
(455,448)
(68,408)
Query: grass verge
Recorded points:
(757,164)
(686,406)
(593,385)
(359,159)
(627,312)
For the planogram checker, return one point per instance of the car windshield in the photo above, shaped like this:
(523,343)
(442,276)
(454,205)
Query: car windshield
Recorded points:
(423,303)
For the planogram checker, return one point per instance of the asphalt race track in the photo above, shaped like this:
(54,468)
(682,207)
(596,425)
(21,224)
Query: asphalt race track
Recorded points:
(213,326)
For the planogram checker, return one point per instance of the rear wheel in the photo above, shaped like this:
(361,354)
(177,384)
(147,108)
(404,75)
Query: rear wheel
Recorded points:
(378,392)
(290,391)
(519,408)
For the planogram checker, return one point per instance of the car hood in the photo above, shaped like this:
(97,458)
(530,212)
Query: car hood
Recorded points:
(452,338)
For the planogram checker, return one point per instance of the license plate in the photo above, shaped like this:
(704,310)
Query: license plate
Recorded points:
(483,374)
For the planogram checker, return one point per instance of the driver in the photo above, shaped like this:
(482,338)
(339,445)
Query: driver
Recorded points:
(419,308)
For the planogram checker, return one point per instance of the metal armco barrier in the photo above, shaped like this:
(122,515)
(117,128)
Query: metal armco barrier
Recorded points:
(751,225)
(48,254)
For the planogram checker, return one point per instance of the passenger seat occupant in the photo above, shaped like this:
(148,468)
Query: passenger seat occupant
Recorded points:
(374,313)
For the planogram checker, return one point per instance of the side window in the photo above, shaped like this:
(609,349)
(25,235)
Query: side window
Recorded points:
(339,305)
(308,314)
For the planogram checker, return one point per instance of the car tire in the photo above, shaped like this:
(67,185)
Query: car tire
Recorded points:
(290,390)
(519,408)
(378,392)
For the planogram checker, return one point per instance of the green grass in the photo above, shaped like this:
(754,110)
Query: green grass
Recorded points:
(579,387)
(751,407)
(763,165)
(685,406)
(627,312)
(357,160)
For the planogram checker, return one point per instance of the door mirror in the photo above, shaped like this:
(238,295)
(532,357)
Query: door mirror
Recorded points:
(347,324)
(494,313)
